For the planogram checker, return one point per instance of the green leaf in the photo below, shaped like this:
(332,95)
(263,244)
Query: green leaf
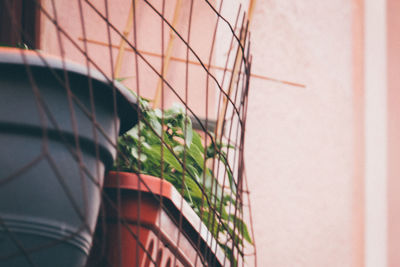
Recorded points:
(189,193)
(179,149)
(186,125)
(197,142)
(229,199)
(197,155)
(121,79)
(194,188)
(139,156)
(236,238)
(241,227)
(222,158)
(194,172)
(171,159)
(229,254)
(211,223)
(156,126)
(132,133)
(158,113)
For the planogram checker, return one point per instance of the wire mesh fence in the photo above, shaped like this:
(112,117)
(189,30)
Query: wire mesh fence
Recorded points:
(122,129)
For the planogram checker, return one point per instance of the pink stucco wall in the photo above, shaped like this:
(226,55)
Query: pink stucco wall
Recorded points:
(301,141)
(393,60)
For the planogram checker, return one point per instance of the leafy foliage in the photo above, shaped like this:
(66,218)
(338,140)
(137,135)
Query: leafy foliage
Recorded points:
(165,145)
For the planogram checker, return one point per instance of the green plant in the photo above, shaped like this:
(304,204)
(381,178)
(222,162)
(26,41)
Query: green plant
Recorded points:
(19,45)
(163,144)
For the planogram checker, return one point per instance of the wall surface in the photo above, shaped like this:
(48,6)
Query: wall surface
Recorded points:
(393,185)
(300,141)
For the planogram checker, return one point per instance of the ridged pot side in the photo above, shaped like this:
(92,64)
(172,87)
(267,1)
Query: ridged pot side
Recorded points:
(54,152)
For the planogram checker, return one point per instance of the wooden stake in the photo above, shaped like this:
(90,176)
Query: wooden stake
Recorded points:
(168,53)
(122,43)
(235,72)
(250,10)
(196,63)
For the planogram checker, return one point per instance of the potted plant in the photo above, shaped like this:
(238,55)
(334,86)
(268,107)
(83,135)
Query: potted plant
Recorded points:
(58,129)
(163,144)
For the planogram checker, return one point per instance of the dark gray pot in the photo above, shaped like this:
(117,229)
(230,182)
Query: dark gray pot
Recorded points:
(53,158)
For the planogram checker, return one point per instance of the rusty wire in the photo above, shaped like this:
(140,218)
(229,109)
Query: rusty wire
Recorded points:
(233,127)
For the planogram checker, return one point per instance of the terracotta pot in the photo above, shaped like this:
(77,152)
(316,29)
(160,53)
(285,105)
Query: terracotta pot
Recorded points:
(154,225)
(52,158)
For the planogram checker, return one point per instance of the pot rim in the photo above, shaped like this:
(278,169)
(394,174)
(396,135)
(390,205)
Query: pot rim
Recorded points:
(126,100)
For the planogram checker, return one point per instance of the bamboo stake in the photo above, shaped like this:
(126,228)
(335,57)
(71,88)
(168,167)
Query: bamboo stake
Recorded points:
(168,53)
(235,72)
(250,10)
(121,50)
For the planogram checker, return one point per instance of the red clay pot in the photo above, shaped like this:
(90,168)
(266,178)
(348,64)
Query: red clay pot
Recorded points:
(150,212)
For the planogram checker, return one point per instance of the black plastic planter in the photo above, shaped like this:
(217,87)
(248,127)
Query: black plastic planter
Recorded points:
(58,124)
